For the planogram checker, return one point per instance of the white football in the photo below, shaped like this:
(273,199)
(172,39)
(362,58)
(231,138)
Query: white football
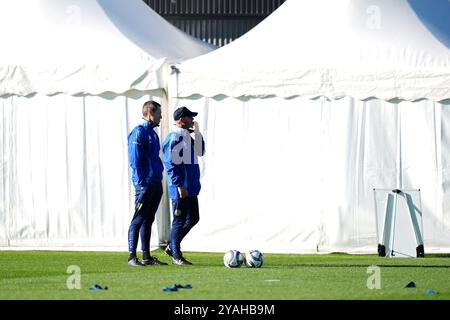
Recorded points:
(254,259)
(233,259)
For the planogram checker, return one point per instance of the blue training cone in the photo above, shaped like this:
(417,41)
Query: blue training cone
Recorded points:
(97,287)
(175,287)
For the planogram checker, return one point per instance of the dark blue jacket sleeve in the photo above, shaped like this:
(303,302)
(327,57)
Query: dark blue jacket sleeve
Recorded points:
(201,152)
(173,156)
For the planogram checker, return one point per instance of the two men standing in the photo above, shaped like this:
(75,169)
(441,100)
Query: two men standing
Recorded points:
(181,153)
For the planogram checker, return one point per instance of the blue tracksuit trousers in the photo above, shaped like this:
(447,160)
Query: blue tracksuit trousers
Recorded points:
(185,216)
(146,205)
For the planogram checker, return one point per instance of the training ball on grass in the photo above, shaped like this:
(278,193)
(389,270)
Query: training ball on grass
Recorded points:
(233,259)
(254,259)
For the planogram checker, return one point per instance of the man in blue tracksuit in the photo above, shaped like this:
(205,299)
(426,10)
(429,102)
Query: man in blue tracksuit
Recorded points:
(181,153)
(147,167)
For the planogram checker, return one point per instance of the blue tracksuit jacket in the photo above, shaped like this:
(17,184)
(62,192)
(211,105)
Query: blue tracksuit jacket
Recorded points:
(181,162)
(143,152)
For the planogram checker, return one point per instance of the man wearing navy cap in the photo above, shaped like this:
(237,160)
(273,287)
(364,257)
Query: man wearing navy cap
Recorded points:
(181,152)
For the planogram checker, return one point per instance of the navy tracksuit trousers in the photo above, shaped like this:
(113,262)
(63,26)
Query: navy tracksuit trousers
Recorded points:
(146,205)
(185,216)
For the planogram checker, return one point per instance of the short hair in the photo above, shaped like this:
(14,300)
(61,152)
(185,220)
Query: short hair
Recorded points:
(153,105)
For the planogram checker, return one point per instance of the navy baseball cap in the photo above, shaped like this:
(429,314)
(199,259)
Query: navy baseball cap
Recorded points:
(183,112)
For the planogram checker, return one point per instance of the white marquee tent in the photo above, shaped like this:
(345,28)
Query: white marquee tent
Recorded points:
(310,111)
(73,77)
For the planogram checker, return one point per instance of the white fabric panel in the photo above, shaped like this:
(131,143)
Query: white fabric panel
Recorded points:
(65,171)
(295,175)
(444,134)
(334,48)
(376,165)
(420,164)
(4,181)
(87,47)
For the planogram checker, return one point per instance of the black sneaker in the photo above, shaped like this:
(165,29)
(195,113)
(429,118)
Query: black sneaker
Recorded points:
(134,262)
(181,262)
(153,261)
(168,251)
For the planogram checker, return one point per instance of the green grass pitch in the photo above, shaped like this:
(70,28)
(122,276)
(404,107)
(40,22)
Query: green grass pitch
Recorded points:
(43,275)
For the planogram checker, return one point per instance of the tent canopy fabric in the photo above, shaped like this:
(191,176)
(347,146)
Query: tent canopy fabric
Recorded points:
(308,113)
(87,47)
(74,75)
(360,48)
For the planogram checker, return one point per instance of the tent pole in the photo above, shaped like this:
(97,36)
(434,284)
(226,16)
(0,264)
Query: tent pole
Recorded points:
(399,148)
(164,227)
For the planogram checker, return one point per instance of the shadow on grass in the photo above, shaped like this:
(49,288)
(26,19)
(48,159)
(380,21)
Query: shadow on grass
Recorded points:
(437,255)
